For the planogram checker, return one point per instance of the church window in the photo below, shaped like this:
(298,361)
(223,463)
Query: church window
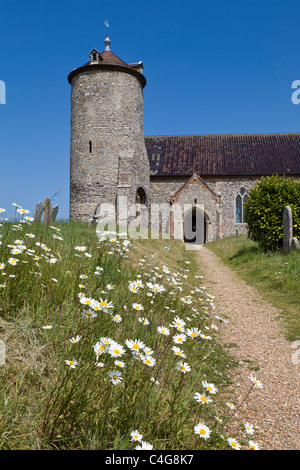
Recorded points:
(240,213)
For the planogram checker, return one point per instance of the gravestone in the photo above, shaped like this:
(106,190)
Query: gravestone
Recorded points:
(287,228)
(47,212)
(295,244)
(38,212)
(54,212)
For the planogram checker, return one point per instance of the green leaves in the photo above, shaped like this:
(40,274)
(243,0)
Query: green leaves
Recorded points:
(264,209)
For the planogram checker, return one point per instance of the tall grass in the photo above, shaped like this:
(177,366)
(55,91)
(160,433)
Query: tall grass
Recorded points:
(72,308)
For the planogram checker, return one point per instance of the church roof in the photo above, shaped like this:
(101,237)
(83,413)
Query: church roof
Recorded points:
(107,60)
(224,155)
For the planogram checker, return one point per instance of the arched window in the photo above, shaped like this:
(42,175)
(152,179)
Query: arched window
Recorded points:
(240,213)
(140,196)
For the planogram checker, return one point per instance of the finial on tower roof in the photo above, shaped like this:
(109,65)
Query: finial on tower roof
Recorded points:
(107,40)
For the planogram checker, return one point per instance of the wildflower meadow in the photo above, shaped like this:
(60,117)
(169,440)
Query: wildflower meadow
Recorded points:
(111,343)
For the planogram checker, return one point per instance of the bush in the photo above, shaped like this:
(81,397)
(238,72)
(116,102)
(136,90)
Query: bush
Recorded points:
(264,210)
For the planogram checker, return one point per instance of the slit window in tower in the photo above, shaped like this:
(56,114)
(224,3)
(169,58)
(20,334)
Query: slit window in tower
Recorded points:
(90,146)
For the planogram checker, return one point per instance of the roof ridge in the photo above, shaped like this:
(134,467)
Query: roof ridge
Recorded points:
(222,135)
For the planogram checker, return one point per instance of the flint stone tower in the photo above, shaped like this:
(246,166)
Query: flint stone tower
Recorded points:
(108,157)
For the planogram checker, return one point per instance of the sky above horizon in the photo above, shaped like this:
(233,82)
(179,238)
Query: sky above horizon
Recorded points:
(212,67)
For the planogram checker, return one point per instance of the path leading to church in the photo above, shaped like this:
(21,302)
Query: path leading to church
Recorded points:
(254,337)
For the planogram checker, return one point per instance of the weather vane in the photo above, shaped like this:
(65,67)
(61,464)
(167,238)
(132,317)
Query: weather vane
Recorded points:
(107,26)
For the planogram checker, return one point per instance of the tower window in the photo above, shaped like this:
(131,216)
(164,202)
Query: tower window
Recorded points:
(94,56)
(90,146)
(240,213)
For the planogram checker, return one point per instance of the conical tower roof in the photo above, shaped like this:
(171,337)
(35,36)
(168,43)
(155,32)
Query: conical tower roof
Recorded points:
(107,60)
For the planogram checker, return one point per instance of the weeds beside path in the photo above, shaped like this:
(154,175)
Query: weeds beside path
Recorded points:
(255,337)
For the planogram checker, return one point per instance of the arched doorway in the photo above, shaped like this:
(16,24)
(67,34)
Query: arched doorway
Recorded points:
(140,202)
(140,197)
(195,226)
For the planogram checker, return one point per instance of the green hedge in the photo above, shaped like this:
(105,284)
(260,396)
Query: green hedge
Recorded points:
(264,209)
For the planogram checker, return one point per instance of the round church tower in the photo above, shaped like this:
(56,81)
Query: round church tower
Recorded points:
(108,155)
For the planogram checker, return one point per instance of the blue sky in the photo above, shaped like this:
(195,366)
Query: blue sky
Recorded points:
(212,67)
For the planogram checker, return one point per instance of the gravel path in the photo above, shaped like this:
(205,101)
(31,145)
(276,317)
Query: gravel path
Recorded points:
(256,332)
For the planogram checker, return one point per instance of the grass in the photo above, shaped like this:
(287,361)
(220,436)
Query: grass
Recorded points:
(67,313)
(275,274)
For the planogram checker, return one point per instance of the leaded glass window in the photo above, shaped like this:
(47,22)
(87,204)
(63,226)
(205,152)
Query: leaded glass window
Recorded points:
(240,213)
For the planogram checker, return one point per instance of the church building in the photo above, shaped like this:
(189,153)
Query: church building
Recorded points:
(110,157)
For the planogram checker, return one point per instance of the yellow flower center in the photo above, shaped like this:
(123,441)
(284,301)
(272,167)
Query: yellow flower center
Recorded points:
(116,351)
(115,377)
(71,363)
(202,431)
(209,389)
(103,304)
(135,346)
(233,444)
(203,398)
(194,334)
(148,361)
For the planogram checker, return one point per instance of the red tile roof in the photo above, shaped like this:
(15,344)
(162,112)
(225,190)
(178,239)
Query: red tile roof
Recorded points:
(224,155)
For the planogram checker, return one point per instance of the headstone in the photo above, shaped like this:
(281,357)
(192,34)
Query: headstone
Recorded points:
(295,244)
(54,212)
(287,228)
(38,211)
(47,212)
(2,352)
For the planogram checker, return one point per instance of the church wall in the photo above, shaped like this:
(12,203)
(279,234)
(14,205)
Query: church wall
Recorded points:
(162,188)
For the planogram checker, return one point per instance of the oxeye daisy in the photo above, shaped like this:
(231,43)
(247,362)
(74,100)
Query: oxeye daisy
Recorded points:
(105,340)
(205,336)
(183,367)
(255,382)
(178,322)
(144,321)
(178,339)
(136,436)
(211,388)
(115,376)
(148,351)
(138,307)
(144,446)
(134,345)
(120,364)
(163,330)
(116,350)
(105,305)
(72,363)
(178,351)
(233,443)
(149,360)
(193,332)
(76,339)
(86,301)
(116,318)
(89,314)
(202,430)
(249,429)
(202,398)
(99,364)
(230,405)
(253,445)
